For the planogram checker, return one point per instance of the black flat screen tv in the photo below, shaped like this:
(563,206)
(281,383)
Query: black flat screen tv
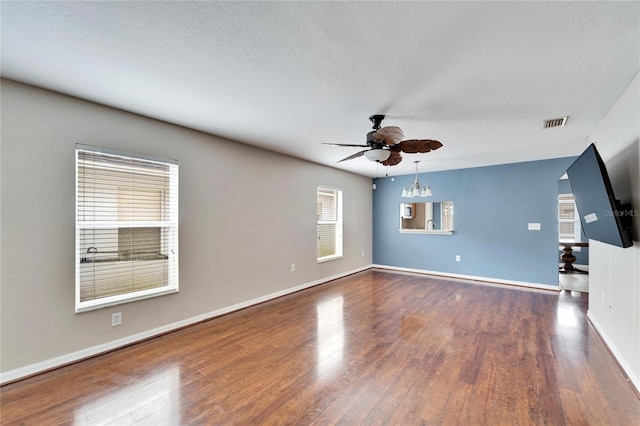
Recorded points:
(602,217)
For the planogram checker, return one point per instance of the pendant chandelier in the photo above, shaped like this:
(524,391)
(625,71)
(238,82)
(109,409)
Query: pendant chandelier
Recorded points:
(416,189)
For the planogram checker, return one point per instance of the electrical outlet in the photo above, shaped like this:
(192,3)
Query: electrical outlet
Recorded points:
(293,267)
(458,258)
(116,319)
(362,253)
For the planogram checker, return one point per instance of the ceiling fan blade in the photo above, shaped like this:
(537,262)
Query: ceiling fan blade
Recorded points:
(422,145)
(345,144)
(394,158)
(391,135)
(356,155)
(408,146)
(434,144)
(412,146)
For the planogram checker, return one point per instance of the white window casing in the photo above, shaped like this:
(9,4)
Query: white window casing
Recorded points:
(126,227)
(329,224)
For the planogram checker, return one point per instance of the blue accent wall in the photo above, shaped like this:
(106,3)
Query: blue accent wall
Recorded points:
(492,207)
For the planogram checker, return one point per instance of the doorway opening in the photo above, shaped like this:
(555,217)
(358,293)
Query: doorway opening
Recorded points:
(573,247)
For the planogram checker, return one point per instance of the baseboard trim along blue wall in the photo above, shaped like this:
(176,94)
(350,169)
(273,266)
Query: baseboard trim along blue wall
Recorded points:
(469,278)
(493,206)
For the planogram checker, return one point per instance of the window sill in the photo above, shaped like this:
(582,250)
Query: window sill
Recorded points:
(123,298)
(426,231)
(328,259)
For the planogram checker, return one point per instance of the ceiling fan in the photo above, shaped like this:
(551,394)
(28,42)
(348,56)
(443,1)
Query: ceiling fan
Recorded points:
(385,144)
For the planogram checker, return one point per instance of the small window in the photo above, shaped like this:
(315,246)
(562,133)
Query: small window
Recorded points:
(126,227)
(568,219)
(329,224)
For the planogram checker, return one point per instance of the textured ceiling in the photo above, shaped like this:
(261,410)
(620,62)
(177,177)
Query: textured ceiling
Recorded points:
(479,76)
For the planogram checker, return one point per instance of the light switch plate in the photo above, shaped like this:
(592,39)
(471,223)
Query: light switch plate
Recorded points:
(534,227)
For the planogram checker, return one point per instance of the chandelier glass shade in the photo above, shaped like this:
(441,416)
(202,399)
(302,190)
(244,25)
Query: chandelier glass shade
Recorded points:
(416,189)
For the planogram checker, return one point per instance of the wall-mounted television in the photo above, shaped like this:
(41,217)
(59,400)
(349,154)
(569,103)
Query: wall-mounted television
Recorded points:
(603,218)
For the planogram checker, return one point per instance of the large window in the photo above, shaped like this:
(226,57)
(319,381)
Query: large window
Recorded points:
(126,227)
(329,224)
(568,220)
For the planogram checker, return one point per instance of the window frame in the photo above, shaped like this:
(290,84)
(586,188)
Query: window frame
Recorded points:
(338,237)
(168,224)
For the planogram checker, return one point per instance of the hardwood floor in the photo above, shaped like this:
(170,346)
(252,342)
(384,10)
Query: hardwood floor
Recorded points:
(575,282)
(373,348)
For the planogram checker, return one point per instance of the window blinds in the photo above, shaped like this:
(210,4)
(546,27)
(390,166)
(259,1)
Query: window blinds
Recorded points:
(329,223)
(568,221)
(126,227)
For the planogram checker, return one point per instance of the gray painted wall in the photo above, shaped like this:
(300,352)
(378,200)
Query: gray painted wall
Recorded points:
(245,216)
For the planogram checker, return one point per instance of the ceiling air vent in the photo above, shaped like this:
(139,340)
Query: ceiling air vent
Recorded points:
(555,122)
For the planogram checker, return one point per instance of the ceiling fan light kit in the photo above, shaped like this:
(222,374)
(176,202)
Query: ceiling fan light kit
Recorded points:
(378,155)
(384,144)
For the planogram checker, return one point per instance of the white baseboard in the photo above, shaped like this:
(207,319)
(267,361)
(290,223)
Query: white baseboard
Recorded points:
(623,364)
(39,367)
(471,277)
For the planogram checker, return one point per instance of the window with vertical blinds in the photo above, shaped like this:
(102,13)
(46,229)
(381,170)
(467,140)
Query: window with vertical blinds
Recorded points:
(126,227)
(329,224)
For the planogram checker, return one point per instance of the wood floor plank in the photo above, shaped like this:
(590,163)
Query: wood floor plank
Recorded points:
(374,348)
